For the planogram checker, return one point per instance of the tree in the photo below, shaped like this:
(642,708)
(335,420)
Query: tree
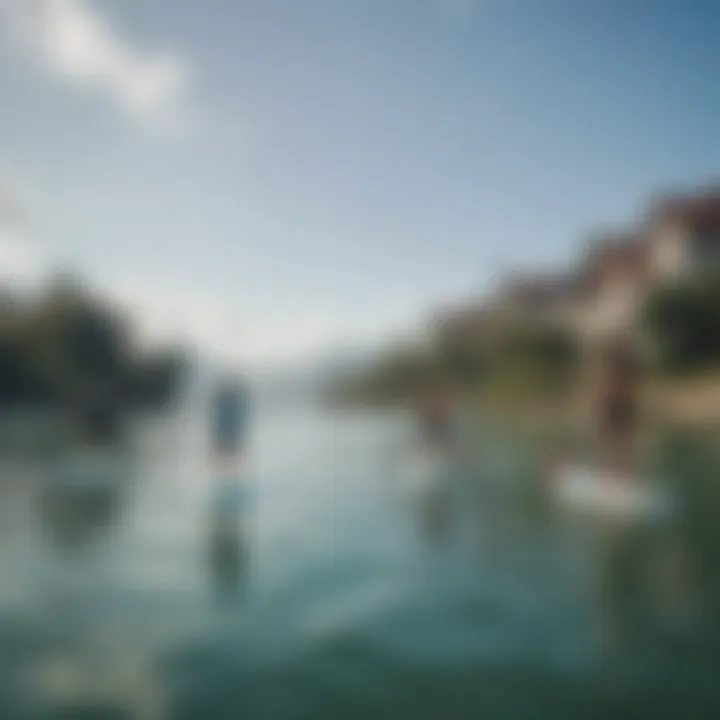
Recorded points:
(683,324)
(539,356)
(69,345)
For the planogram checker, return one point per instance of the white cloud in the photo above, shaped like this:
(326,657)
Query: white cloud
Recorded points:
(75,43)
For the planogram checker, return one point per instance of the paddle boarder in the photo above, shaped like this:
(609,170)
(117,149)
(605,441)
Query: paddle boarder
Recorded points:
(617,408)
(434,411)
(229,410)
(229,417)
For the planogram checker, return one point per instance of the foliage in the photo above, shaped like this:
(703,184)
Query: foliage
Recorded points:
(56,348)
(539,356)
(683,325)
(465,362)
(398,373)
(154,379)
(522,357)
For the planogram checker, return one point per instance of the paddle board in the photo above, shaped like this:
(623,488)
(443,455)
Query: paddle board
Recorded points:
(591,490)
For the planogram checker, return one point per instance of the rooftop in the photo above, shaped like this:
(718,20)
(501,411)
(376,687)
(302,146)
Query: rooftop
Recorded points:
(699,212)
(612,254)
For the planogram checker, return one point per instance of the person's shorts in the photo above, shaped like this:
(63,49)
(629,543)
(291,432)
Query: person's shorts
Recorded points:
(618,419)
(438,428)
(227,441)
(229,433)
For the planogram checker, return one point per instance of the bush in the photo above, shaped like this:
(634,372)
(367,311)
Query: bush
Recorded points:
(683,325)
(68,342)
(540,357)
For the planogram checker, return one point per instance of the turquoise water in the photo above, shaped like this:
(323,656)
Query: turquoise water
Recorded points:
(331,592)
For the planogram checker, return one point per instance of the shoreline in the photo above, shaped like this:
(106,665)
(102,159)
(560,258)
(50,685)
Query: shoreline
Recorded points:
(685,402)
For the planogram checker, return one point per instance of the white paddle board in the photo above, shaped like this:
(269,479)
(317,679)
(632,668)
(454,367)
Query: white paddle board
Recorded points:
(591,490)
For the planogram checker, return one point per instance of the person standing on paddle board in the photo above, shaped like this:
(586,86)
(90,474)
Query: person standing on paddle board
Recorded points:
(617,410)
(229,418)
(615,415)
(434,411)
(229,411)
(625,550)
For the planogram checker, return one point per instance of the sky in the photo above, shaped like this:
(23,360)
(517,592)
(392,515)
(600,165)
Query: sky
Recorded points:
(271,178)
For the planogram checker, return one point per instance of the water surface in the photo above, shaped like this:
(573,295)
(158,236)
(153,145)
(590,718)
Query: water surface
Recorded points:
(334,593)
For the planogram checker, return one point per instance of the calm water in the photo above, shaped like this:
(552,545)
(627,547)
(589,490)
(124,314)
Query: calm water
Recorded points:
(335,595)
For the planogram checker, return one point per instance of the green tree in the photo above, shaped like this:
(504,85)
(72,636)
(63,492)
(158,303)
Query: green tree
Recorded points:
(537,356)
(683,325)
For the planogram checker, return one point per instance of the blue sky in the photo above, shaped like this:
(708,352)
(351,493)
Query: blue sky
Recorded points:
(271,177)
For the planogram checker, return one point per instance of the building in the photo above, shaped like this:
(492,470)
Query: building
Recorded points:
(684,236)
(679,239)
(614,276)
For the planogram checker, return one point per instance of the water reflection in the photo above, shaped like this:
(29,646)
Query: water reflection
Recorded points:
(78,506)
(436,511)
(228,542)
(645,571)
(330,615)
